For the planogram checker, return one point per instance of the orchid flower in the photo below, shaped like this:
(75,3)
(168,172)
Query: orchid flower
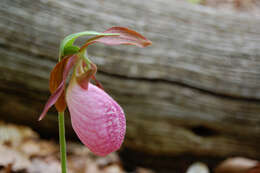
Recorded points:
(97,118)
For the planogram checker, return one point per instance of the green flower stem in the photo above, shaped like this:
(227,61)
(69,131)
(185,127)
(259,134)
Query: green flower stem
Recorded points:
(62,142)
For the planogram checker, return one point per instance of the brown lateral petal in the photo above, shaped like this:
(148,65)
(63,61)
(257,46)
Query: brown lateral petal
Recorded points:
(56,77)
(57,84)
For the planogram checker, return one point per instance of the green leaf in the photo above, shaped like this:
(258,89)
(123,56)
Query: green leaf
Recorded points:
(67,47)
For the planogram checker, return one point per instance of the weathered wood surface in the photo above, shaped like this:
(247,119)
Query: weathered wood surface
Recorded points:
(196,90)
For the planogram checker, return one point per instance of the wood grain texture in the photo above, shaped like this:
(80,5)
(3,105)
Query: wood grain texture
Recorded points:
(202,73)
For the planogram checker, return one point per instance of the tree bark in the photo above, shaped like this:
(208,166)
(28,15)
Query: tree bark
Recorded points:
(195,90)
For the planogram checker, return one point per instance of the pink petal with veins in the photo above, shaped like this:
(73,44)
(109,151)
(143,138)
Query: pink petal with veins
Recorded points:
(97,119)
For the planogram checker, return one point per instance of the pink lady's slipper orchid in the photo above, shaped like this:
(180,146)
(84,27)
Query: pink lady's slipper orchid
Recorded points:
(97,118)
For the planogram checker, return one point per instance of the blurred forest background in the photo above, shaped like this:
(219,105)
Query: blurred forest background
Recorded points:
(191,96)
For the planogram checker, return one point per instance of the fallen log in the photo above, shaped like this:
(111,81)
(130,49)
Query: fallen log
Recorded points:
(194,91)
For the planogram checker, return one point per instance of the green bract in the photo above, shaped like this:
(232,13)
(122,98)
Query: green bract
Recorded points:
(67,47)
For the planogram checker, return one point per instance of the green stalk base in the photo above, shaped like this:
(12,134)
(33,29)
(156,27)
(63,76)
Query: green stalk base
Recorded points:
(62,142)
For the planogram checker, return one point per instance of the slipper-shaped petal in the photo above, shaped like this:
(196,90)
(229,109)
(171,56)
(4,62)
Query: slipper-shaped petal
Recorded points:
(97,119)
